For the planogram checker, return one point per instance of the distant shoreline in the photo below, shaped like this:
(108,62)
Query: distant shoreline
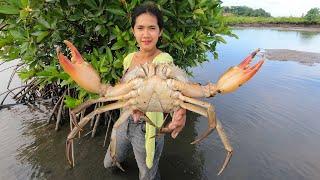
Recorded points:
(284,26)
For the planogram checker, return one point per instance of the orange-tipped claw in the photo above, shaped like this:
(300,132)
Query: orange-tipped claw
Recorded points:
(79,70)
(238,75)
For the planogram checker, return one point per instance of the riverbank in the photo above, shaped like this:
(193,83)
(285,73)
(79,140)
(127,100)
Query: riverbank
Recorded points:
(289,23)
(308,58)
(283,26)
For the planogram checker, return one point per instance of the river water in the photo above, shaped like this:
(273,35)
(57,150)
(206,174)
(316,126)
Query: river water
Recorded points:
(272,123)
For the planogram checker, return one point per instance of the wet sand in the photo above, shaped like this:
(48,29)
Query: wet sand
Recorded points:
(308,58)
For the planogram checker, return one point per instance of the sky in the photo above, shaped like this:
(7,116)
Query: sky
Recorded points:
(277,7)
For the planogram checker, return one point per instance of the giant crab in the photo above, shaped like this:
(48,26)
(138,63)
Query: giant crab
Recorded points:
(153,88)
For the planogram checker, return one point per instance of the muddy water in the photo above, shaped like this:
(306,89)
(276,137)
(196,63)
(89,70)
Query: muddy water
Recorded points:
(31,149)
(272,122)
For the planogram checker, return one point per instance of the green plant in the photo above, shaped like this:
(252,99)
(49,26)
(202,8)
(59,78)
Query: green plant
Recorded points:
(100,29)
(232,20)
(246,11)
(313,15)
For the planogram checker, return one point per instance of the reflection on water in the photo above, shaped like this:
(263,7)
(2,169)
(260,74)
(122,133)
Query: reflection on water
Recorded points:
(308,35)
(31,149)
(272,123)
(253,38)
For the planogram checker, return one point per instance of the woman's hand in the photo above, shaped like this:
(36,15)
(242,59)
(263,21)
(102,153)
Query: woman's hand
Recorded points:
(175,126)
(178,122)
(136,114)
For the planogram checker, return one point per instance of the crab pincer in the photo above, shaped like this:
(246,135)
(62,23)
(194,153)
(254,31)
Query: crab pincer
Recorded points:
(79,70)
(233,78)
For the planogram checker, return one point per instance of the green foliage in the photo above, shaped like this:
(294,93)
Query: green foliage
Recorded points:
(246,11)
(100,29)
(313,15)
(232,20)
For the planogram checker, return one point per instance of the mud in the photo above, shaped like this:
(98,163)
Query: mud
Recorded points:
(308,58)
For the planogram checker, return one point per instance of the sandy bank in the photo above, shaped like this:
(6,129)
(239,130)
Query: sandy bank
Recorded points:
(303,57)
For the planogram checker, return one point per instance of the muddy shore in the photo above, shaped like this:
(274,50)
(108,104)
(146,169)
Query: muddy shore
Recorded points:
(308,58)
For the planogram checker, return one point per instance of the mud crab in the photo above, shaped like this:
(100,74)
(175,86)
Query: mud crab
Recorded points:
(153,88)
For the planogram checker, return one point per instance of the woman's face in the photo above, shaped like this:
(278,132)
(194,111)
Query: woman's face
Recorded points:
(146,31)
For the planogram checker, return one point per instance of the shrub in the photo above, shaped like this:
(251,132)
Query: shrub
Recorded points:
(100,29)
(313,15)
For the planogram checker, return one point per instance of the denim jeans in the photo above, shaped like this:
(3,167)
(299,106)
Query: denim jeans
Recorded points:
(131,137)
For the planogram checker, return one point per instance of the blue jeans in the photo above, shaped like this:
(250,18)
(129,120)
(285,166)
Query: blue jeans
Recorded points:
(131,136)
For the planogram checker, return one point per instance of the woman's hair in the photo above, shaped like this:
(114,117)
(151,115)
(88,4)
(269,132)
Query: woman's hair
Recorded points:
(147,7)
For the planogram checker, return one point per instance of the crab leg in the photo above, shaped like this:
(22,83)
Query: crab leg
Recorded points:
(93,101)
(220,131)
(230,81)
(102,99)
(226,144)
(194,90)
(113,141)
(121,89)
(83,122)
(90,102)
(209,112)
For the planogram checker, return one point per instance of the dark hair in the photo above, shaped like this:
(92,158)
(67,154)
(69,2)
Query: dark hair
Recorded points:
(147,7)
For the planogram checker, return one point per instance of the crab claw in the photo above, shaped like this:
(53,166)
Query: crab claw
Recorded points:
(233,78)
(79,70)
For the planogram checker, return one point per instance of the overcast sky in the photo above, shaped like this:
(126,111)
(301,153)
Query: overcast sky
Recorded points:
(277,7)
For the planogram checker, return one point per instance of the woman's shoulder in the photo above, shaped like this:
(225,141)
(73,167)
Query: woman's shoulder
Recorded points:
(127,60)
(163,58)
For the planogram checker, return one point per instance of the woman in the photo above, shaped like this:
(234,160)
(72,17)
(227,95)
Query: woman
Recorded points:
(147,27)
